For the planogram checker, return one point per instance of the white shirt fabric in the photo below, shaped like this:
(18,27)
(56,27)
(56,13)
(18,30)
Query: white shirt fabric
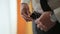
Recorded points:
(57,14)
(54,4)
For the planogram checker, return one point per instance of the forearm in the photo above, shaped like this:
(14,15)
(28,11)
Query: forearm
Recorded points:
(25,13)
(24,7)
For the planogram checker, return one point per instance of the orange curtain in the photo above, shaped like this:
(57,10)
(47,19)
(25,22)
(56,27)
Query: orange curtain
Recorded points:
(21,24)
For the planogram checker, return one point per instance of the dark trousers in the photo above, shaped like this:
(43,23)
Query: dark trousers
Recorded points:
(53,30)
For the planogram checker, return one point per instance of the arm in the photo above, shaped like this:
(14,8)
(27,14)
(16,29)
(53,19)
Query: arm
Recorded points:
(25,13)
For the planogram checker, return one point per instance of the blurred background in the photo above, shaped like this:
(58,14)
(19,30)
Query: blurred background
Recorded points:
(8,16)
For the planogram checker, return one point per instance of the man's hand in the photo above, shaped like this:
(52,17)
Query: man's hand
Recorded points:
(44,22)
(25,12)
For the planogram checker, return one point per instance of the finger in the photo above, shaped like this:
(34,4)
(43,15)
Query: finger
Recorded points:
(37,21)
(26,18)
(39,26)
(30,19)
(43,27)
(28,12)
(24,15)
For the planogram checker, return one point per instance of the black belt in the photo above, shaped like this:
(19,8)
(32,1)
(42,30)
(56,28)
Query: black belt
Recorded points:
(45,5)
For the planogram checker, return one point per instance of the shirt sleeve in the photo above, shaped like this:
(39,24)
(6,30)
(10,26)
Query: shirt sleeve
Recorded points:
(25,1)
(57,13)
(53,18)
(54,4)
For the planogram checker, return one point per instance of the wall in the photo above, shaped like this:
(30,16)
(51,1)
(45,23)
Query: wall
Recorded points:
(4,17)
(13,15)
(8,16)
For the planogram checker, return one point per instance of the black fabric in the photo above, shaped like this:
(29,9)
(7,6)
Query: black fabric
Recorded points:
(45,5)
(35,15)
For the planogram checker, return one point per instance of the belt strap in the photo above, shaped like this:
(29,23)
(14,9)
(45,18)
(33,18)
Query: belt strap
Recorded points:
(45,5)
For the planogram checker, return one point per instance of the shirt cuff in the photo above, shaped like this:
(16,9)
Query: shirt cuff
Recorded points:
(57,14)
(53,18)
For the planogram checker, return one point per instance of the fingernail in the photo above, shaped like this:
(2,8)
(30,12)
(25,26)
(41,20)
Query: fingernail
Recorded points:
(41,28)
(37,25)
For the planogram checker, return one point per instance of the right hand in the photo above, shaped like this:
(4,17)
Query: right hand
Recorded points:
(25,12)
(44,22)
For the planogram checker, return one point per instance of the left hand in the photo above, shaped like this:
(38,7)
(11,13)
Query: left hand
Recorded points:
(44,22)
